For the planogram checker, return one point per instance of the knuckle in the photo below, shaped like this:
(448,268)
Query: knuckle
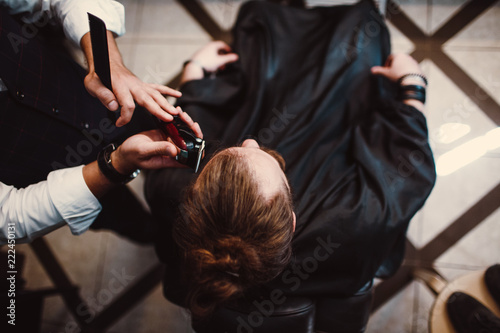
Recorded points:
(129,105)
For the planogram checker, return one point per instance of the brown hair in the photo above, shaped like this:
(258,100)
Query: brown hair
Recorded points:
(231,237)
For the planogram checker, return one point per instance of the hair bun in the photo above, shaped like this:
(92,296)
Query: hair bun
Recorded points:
(236,256)
(230,255)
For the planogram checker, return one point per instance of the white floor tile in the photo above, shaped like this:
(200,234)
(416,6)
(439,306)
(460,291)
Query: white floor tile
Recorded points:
(423,306)
(446,103)
(124,258)
(167,19)
(159,63)
(482,65)
(133,15)
(224,12)
(399,42)
(127,50)
(395,315)
(455,193)
(417,11)
(81,258)
(415,229)
(479,249)
(32,268)
(482,32)
(441,11)
(155,314)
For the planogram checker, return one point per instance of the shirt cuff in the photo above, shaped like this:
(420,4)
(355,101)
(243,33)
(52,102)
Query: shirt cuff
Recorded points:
(73,199)
(76,22)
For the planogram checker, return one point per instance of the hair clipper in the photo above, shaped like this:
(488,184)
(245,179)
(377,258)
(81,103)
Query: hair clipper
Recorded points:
(191,148)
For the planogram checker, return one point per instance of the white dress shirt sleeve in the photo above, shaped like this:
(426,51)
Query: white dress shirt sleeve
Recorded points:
(72,14)
(40,208)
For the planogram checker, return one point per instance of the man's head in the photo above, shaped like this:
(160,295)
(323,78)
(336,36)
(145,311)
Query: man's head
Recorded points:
(237,225)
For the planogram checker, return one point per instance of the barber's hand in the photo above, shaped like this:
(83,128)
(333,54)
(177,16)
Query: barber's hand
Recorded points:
(150,149)
(396,66)
(146,150)
(127,88)
(194,126)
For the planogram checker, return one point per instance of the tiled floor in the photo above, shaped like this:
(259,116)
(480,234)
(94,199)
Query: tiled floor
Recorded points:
(161,34)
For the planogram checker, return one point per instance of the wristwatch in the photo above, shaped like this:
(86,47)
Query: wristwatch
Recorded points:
(106,167)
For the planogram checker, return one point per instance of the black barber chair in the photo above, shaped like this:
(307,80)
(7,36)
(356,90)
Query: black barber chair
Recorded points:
(293,315)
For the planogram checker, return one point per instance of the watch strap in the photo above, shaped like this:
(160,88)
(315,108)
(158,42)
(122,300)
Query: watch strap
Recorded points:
(106,167)
(412,91)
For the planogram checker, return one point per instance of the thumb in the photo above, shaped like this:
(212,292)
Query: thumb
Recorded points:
(95,88)
(380,70)
(162,148)
(228,58)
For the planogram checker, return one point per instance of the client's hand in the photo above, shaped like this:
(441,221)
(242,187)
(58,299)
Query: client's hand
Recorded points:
(213,56)
(396,66)
(146,150)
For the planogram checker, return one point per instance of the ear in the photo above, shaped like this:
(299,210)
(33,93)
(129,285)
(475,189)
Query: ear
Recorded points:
(294,221)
